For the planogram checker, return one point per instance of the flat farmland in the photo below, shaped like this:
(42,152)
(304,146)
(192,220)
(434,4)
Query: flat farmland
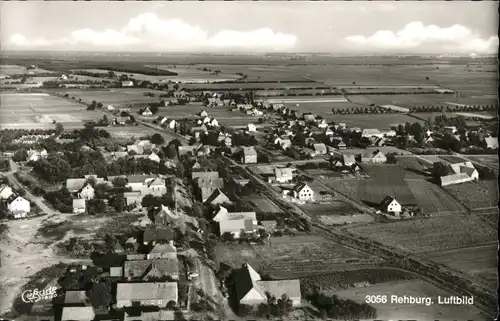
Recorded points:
(380,121)
(292,256)
(479,261)
(476,195)
(415,288)
(256,86)
(486,160)
(332,208)
(262,72)
(191,74)
(17,70)
(433,199)
(431,234)
(404,100)
(130,132)
(116,97)
(414,167)
(224,116)
(15,111)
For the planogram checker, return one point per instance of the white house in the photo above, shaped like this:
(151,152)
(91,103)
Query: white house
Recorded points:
(34,155)
(390,205)
(87,192)
(79,206)
(147,112)
(370,132)
(491,142)
(18,206)
(251,128)
(203,113)
(127,83)
(373,157)
(213,122)
(460,173)
(303,192)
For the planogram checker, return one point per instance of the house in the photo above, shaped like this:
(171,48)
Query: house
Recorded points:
(236,227)
(203,113)
(303,192)
(121,120)
(373,157)
(491,142)
(18,206)
(320,149)
(151,269)
(80,313)
(163,251)
(249,155)
(348,159)
(251,128)
(390,205)
(460,173)
(146,294)
(136,182)
(339,144)
(252,290)
(309,117)
(322,124)
(165,216)
(217,198)
(155,186)
(371,132)
(328,132)
(79,206)
(152,235)
(283,175)
(170,123)
(87,192)
(450,129)
(75,184)
(34,155)
(5,192)
(147,112)
(222,214)
(127,83)
(213,122)
(72,298)
(154,157)
(207,186)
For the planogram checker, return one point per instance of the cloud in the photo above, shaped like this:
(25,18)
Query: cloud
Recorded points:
(148,31)
(416,35)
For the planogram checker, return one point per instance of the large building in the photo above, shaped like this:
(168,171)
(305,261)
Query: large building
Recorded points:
(158,294)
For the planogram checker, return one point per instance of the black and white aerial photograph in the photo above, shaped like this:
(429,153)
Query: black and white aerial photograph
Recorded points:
(248,160)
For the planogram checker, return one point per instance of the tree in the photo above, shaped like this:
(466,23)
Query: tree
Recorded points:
(117,202)
(100,295)
(227,237)
(157,139)
(285,305)
(59,128)
(96,206)
(439,169)
(20,155)
(149,201)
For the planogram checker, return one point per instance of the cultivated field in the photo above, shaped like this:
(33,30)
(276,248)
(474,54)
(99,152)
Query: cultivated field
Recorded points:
(261,72)
(18,70)
(331,208)
(419,100)
(433,200)
(380,121)
(480,261)
(121,97)
(431,234)
(242,85)
(130,132)
(415,288)
(15,111)
(191,74)
(486,160)
(476,195)
(414,167)
(292,256)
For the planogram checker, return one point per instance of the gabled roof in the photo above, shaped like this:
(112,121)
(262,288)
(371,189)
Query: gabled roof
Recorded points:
(138,268)
(163,248)
(75,184)
(236,225)
(348,158)
(249,151)
(138,178)
(218,197)
(387,201)
(147,291)
(297,188)
(283,172)
(158,234)
(77,313)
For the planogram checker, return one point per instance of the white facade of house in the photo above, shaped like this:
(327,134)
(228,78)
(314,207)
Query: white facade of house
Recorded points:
(5,192)
(19,207)
(154,157)
(393,207)
(251,128)
(87,192)
(304,193)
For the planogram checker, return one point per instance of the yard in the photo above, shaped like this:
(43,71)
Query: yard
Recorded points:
(479,261)
(431,234)
(433,199)
(15,112)
(292,256)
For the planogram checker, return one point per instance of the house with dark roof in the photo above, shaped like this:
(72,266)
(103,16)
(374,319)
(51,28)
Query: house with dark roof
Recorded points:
(390,205)
(151,269)
(252,290)
(163,251)
(218,197)
(152,235)
(303,192)
(146,294)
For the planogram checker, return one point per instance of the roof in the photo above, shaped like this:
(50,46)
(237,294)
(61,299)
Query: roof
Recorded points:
(297,188)
(387,201)
(348,158)
(163,248)
(491,142)
(218,197)
(319,146)
(138,178)
(236,225)
(205,175)
(138,268)
(77,313)
(147,291)
(371,131)
(78,203)
(151,316)
(75,297)
(277,288)
(158,234)
(249,151)
(464,167)
(454,178)
(75,184)
(283,172)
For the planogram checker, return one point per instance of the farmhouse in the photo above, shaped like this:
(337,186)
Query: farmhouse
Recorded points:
(79,206)
(460,173)
(373,157)
(136,182)
(251,128)
(146,294)
(390,205)
(127,83)
(34,155)
(87,192)
(252,290)
(303,192)
(283,175)
(208,183)
(320,149)
(154,157)
(348,159)
(249,155)
(491,142)
(140,146)
(147,112)
(18,206)
(152,235)
(217,198)
(235,222)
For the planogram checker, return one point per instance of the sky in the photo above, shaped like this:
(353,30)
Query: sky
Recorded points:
(375,27)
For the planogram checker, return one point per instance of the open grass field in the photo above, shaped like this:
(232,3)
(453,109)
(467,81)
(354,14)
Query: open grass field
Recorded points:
(419,100)
(191,74)
(15,112)
(292,256)
(257,72)
(120,97)
(261,204)
(256,86)
(414,167)
(480,261)
(415,288)
(486,160)
(129,132)
(433,199)
(431,234)
(8,70)
(333,208)
(476,195)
